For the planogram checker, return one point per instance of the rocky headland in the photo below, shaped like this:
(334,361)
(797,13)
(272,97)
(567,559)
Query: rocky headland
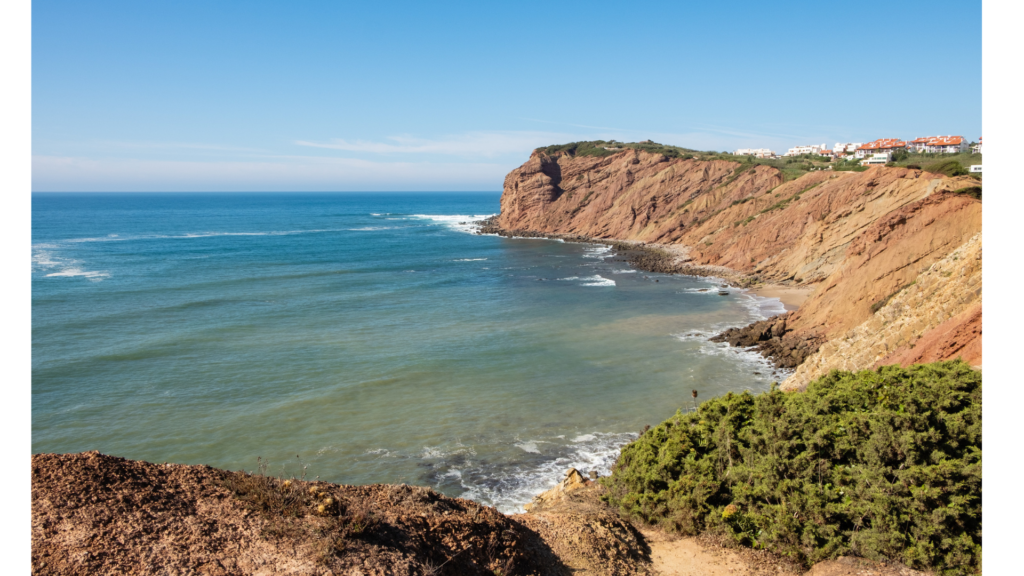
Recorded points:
(857,239)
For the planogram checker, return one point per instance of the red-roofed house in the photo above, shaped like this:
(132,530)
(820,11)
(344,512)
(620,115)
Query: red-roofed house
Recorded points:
(947,144)
(977,147)
(919,144)
(881,146)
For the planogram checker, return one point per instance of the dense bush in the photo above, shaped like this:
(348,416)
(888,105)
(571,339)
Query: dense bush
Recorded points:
(601,148)
(947,167)
(849,166)
(972,191)
(881,464)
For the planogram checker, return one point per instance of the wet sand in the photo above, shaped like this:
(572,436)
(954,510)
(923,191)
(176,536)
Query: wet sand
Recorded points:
(791,296)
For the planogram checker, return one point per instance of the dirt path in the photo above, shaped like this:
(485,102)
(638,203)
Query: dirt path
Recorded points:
(692,557)
(695,557)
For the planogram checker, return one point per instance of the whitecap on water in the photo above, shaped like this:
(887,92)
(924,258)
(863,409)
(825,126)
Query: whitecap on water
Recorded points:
(457,222)
(598,251)
(528,447)
(509,485)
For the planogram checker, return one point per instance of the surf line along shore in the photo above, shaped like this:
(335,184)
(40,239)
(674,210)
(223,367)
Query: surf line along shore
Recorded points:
(769,337)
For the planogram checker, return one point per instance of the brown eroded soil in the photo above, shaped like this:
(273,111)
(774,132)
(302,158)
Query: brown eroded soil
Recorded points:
(97,514)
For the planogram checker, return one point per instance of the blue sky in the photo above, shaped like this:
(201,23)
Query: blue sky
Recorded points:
(409,96)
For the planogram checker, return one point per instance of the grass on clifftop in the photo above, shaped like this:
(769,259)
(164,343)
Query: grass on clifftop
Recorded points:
(880,464)
(791,167)
(609,147)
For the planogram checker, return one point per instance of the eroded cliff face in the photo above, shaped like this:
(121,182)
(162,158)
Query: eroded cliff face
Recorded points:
(857,236)
(937,317)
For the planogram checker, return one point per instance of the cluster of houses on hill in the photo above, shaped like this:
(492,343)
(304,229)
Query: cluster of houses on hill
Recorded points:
(878,152)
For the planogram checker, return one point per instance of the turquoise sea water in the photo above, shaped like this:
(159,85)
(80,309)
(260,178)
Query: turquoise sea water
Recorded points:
(373,335)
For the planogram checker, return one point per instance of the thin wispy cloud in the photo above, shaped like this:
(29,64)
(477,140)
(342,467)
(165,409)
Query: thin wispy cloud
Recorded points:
(143,145)
(298,173)
(470,144)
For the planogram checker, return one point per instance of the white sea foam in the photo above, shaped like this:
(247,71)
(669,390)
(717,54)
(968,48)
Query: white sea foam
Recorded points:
(761,308)
(509,486)
(469,259)
(42,256)
(624,271)
(372,228)
(461,223)
(749,358)
(439,452)
(597,251)
(71,272)
(44,259)
(528,447)
(597,280)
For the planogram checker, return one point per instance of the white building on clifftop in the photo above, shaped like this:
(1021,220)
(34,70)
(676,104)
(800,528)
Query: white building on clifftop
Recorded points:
(812,149)
(847,148)
(756,152)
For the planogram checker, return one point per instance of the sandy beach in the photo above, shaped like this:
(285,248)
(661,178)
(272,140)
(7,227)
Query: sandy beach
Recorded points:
(791,296)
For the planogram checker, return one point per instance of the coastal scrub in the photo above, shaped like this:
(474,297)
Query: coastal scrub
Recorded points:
(884,464)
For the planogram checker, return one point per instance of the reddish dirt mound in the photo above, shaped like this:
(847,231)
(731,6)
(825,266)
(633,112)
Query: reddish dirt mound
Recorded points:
(97,514)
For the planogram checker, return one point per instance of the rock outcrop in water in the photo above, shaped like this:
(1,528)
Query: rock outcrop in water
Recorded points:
(858,237)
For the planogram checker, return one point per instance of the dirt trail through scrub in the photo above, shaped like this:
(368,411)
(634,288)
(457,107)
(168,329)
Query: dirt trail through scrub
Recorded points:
(690,557)
(98,514)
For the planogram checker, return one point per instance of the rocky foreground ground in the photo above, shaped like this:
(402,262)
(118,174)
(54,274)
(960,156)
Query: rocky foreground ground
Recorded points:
(98,514)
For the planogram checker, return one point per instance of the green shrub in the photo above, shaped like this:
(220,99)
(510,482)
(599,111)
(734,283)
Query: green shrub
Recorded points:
(947,167)
(900,155)
(884,464)
(972,191)
(600,148)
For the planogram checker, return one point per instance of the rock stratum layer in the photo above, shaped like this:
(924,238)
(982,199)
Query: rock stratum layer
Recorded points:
(858,237)
(935,318)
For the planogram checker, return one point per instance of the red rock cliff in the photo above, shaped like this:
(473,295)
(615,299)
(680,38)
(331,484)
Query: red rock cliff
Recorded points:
(858,236)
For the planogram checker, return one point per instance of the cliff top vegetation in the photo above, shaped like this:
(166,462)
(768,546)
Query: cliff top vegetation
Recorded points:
(791,167)
(884,464)
(608,147)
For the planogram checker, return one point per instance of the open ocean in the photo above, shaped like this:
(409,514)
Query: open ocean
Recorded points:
(373,335)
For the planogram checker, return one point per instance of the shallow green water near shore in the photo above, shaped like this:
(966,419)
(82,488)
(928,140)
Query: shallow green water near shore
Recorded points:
(373,335)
